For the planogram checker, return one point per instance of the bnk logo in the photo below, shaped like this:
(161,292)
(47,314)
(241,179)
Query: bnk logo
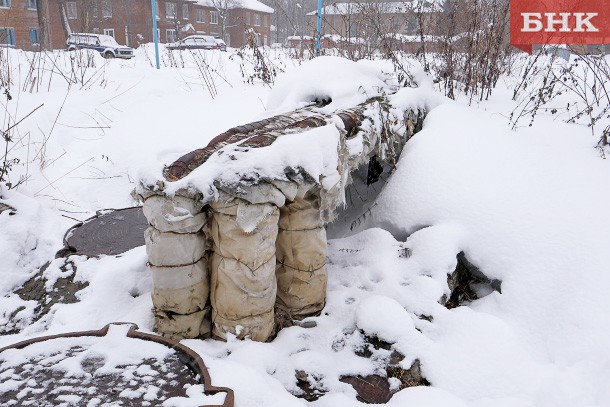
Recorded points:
(559,22)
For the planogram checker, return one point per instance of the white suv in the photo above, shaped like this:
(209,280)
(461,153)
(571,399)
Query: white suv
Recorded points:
(104,44)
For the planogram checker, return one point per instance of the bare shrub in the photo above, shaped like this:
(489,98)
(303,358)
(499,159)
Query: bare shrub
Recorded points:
(578,91)
(255,63)
(7,160)
(472,50)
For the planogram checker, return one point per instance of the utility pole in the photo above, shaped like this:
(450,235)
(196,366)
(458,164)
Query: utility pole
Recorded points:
(319,33)
(155,35)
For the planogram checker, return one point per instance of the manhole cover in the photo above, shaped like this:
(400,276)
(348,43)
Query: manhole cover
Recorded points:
(113,366)
(110,232)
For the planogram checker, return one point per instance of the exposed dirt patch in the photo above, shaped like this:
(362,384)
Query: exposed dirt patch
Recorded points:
(310,385)
(467,283)
(372,389)
(62,292)
(6,208)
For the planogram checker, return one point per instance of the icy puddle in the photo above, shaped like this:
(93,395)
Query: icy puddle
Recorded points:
(95,370)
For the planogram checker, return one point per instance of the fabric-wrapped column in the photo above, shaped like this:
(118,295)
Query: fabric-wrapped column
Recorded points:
(301,259)
(243,284)
(176,248)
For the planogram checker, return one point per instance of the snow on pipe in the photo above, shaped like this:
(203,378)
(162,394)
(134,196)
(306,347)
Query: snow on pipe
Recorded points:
(254,258)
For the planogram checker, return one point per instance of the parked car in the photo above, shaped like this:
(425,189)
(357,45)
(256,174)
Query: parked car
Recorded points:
(195,42)
(221,44)
(104,44)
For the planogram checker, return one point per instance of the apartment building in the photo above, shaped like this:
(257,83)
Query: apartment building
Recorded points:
(130,21)
(19,24)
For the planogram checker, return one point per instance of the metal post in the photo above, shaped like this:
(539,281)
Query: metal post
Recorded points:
(155,35)
(319,33)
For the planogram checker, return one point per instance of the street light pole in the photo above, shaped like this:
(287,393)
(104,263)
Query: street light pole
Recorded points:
(155,35)
(319,33)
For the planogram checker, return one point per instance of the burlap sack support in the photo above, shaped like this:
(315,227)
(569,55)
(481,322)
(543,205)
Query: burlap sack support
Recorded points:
(243,283)
(301,259)
(176,248)
(178,327)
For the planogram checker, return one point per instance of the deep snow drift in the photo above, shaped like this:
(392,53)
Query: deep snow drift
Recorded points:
(528,208)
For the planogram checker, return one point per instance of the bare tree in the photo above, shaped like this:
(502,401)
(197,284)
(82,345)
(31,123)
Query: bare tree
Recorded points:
(64,18)
(223,8)
(43,24)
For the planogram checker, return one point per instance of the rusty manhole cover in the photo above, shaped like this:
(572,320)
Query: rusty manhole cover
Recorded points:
(110,232)
(116,365)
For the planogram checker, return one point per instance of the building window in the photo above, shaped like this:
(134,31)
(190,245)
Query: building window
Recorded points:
(106,9)
(265,21)
(213,17)
(157,10)
(411,26)
(71,10)
(200,16)
(170,10)
(7,36)
(5,3)
(265,40)
(247,18)
(34,36)
(353,30)
(31,4)
(109,31)
(185,11)
(257,20)
(170,35)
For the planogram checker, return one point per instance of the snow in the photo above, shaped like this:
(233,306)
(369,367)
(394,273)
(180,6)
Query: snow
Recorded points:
(345,82)
(527,207)
(253,5)
(384,318)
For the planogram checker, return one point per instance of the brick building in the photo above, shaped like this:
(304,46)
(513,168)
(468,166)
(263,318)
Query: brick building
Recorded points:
(19,24)
(130,21)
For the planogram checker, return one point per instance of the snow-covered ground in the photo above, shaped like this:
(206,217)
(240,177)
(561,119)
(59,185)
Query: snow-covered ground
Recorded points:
(528,207)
